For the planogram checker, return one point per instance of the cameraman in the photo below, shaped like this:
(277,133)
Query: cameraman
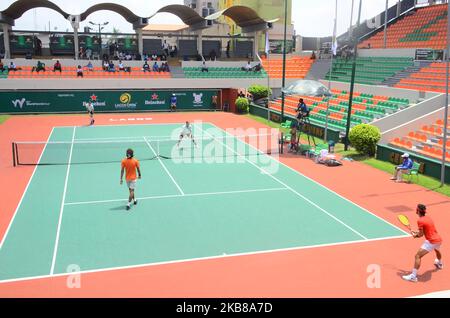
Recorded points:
(302,110)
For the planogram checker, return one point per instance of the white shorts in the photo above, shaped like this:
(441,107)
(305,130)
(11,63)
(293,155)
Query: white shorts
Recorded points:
(131,184)
(427,246)
(186,133)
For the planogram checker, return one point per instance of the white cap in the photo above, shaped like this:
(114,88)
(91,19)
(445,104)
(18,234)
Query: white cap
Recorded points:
(405,155)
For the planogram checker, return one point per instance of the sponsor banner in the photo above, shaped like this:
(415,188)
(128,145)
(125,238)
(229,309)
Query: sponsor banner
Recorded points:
(103,101)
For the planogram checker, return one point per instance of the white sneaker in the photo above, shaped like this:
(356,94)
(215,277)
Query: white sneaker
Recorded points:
(410,278)
(438,264)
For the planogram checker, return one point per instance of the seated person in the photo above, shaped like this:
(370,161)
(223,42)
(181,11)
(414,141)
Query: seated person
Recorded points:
(257,68)
(213,55)
(165,67)
(155,67)
(90,67)
(146,67)
(111,67)
(405,167)
(204,67)
(154,57)
(173,51)
(79,71)
(2,67)
(39,67)
(247,67)
(128,57)
(28,55)
(105,65)
(313,56)
(13,67)
(302,110)
(57,67)
(121,66)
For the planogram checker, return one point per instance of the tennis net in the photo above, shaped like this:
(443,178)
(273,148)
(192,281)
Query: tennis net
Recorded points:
(145,148)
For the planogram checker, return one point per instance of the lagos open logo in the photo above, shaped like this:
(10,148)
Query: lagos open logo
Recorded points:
(125,98)
(125,102)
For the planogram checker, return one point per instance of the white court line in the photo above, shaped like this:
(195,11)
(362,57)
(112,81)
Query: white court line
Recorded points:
(55,249)
(164,167)
(177,196)
(285,185)
(25,191)
(329,190)
(129,124)
(288,249)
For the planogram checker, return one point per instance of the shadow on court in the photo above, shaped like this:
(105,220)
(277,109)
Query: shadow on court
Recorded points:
(422,277)
(119,208)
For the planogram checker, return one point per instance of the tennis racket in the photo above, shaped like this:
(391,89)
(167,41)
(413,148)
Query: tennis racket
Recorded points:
(404,220)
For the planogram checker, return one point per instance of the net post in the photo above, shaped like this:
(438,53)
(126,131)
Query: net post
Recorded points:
(14,153)
(281,143)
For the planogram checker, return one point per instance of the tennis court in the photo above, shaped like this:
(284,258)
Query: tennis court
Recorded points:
(190,206)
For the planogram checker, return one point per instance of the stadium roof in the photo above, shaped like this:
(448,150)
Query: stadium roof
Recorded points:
(241,15)
(244,17)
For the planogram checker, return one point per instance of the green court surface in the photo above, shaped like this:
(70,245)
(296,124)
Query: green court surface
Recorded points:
(74,214)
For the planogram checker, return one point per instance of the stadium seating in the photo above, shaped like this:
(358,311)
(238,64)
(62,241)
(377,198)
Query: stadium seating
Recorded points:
(369,70)
(296,67)
(427,141)
(69,72)
(425,28)
(221,72)
(365,108)
(429,78)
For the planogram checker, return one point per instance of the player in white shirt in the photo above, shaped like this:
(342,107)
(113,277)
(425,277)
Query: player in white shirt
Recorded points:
(90,109)
(186,131)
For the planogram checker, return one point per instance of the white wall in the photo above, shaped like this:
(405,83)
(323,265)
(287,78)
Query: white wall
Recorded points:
(387,53)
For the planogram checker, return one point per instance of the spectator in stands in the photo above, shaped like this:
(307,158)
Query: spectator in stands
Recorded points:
(57,67)
(228,49)
(213,55)
(204,67)
(81,52)
(257,68)
(88,53)
(154,57)
(163,57)
(121,66)
(79,71)
(146,67)
(155,67)
(174,51)
(165,67)
(128,57)
(368,45)
(145,57)
(90,67)
(313,55)
(28,55)
(405,167)
(247,67)
(2,67)
(165,47)
(111,67)
(12,67)
(105,65)
(39,67)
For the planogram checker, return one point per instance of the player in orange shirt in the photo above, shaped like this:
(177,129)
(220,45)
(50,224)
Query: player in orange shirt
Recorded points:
(130,165)
(433,242)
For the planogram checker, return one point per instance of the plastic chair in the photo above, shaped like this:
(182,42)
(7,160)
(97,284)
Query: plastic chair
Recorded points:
(414,171)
